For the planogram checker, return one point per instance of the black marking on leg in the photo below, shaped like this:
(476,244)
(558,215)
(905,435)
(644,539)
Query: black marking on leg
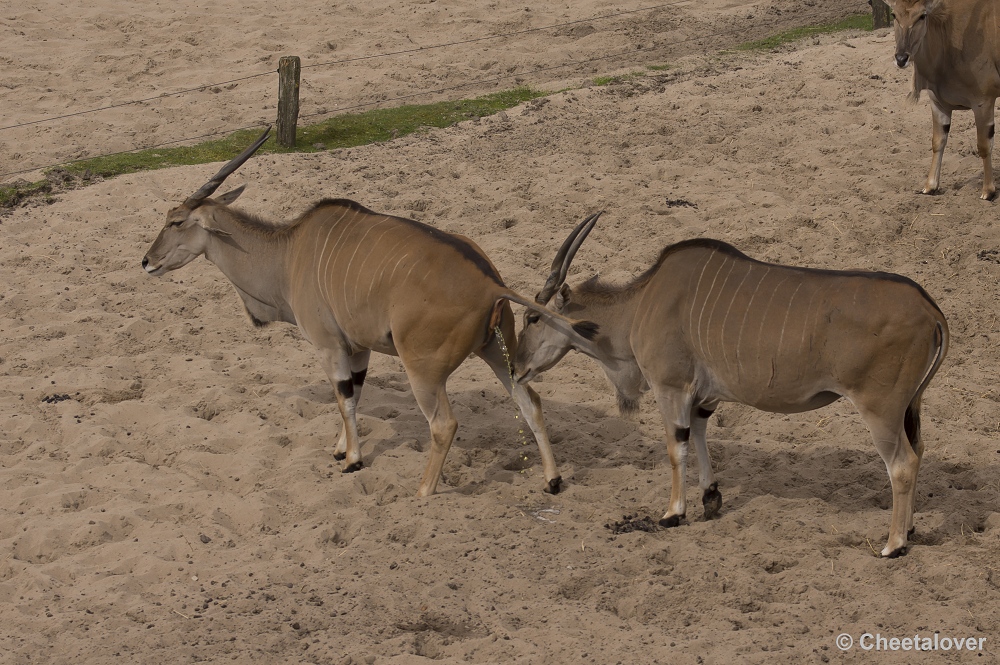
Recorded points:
(712,501)
(946,128)
(346,388)
(357,466)
(554,485)
(671,522)
(682,434)
(340,457)
(912,530)
(704,413)
(992,131)
(359,377)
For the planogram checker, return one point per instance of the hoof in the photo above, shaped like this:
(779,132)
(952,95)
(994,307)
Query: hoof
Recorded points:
(899,551)
(351,468)
(671,522)
(339,456)
(712,500)
(554,485)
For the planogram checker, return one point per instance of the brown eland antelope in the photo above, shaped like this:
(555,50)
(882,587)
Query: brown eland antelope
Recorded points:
(355,281)
(954,46)
(707,324)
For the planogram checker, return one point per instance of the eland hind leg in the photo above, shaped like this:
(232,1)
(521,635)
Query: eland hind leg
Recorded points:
(902,461)
(528,401)
(911,427)
(428,375)
(711,497)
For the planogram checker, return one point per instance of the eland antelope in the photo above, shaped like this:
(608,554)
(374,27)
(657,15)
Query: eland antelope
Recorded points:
(707,324)
(355,281)
(954,46)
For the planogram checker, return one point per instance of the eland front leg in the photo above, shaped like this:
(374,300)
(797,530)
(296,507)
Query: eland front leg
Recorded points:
(675,408)
(941,126)
(337,365)
(984,139)
(528,401)
(359,370)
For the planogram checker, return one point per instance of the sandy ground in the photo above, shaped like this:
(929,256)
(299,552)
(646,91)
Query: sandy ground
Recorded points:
(167,486)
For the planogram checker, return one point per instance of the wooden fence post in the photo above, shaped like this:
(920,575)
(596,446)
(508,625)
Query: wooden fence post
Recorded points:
(289,69)
(881,14)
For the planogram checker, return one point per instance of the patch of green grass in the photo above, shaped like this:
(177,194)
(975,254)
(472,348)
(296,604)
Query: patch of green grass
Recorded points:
(13,195)
(342,131)
(621,78)
(658,68)
(856,22)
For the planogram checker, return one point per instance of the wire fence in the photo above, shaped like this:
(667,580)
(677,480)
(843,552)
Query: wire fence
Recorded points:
(809,19)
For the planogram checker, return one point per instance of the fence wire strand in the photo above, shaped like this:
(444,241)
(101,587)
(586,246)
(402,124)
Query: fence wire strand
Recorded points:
(345,61)
(477,82)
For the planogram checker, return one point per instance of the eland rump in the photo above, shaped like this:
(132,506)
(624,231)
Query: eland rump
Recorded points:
(355,281)
(707,324)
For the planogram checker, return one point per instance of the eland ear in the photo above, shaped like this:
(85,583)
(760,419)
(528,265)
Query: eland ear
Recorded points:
(217,232)
(562,298)
(231,195)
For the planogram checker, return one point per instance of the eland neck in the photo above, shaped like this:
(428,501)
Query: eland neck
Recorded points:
(254,256)
(613,308)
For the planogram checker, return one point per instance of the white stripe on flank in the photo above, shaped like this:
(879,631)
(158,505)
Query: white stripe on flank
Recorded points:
(715,307)
(788,310)
(357,248)
(722,333)
(331,256)
(385,261)
(701,315)
(407,278)
(763,320)
(746,312)
(371,247)
(393,273)
(694,298)
(805,323)
(322,253)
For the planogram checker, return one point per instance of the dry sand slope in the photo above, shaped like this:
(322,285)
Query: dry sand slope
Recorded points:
(167,486)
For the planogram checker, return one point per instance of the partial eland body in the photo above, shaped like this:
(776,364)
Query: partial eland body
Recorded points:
(355,281)
(954,46)
(707,324)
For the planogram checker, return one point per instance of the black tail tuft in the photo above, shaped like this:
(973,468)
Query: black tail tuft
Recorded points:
(911,424)
(586,329)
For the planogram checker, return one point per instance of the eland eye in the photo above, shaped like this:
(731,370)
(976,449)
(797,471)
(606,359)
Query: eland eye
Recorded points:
(532,318)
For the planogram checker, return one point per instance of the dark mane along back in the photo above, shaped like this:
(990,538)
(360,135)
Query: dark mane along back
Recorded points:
(461,245)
